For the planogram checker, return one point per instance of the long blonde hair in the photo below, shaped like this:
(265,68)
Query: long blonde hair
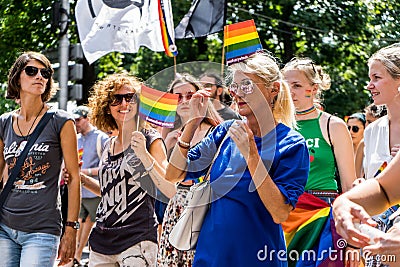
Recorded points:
(266,67)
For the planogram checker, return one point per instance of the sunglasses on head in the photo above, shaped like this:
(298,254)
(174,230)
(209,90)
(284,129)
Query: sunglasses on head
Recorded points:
(33,71)
(354,128)
(246,86)
(187,96)
(130,98)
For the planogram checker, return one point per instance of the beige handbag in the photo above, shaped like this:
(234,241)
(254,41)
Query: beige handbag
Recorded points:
(185,233)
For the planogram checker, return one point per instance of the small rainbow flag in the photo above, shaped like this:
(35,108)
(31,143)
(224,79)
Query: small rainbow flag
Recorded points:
(240,41)
(158,107)
(381,168)
(168,42)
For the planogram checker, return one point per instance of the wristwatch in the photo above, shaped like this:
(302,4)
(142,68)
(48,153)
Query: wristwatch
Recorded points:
(74,225)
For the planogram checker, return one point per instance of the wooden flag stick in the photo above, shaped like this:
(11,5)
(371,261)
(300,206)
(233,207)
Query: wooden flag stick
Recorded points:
(174,67)
(222,61)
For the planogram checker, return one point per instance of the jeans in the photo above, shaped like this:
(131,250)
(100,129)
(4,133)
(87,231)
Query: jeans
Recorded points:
(27,249)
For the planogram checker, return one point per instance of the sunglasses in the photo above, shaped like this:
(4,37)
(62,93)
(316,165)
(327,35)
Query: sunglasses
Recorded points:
(130,98)
(187,96)
(33,71)
(246,86)
(355,129)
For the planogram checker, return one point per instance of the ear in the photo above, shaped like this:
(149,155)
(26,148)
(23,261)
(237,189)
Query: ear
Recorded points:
(276,88)
(220,90)
(314,89)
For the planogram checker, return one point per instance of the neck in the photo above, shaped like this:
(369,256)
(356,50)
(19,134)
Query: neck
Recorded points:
(29,111)
(261,130)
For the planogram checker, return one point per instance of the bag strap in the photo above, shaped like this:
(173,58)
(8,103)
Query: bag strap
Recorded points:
(215,156)
(32,139)
(337,177)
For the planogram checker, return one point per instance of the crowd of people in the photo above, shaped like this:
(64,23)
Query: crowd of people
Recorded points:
(286,176)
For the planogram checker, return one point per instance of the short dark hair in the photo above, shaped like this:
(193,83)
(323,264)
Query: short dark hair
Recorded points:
(14,74)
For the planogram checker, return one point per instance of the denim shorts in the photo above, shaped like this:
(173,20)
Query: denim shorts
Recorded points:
(20,248)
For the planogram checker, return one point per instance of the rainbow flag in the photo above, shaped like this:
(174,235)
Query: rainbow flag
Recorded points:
(168,42)
(381,168)
(240,41)
(310,229)
(158,107)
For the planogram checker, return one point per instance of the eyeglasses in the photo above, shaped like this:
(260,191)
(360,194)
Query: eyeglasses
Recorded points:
(354,128)
(208,85)
(33,71)
(187,96)
(246,86)
(130,98)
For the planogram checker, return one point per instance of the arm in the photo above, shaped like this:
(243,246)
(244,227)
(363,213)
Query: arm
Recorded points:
(343,149)
(176,169)
(367,198)
(68,145)
(272,198)
(154,160)
(359,160)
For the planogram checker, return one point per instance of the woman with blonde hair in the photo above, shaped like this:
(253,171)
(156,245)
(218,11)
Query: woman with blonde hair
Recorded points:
(132,165)
(257,176)
(331,150)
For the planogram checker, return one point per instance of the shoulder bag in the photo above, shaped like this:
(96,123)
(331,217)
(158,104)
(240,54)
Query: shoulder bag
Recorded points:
(14,173)
(185,233)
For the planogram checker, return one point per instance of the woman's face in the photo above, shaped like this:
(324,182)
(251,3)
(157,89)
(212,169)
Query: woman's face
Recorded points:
(356,129)
(123,104)
(382,86)
(252,95)
(33,83)
(301,89)
(185,92)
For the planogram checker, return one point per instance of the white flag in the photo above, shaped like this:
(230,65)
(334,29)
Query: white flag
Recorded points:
(122,26)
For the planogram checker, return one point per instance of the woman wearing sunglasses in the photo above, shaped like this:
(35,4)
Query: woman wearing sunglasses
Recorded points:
(185,86)
(30,224)
(258,175)
(356,125)
(132,165)
(328,140)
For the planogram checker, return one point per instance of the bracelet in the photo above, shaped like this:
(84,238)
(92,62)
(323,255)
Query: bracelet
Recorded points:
(89,171)
(183,144)
(150,167)
(351,246)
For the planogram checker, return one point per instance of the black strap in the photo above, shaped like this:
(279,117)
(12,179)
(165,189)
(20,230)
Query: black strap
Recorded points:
(32,139)
(337,177)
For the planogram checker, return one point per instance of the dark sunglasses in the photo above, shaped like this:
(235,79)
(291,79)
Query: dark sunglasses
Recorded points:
(187,96)
(355,129)
(33,71)
(246,86)
(130,98)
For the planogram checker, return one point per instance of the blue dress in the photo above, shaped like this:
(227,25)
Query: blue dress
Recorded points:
(238,230)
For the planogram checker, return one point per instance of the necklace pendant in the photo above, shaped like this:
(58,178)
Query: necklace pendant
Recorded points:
(20,148)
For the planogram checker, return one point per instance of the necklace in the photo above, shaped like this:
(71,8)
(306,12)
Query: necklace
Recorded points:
(26,136)
(307,111)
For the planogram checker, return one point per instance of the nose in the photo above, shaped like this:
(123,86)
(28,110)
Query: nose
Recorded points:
(370,85)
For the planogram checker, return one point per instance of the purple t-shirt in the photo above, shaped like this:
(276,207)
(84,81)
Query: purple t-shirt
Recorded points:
(33,204)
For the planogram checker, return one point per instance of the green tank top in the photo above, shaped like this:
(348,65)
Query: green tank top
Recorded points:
(322,165)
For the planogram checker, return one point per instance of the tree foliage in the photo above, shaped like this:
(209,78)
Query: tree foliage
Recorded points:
(339,35)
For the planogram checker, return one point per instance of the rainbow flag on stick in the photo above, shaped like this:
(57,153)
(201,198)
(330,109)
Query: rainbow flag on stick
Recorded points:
(158,107)
(240,41)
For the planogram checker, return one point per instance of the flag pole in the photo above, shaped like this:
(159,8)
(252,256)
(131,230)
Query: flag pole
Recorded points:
(137,123)
(174,67)
(222,61)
